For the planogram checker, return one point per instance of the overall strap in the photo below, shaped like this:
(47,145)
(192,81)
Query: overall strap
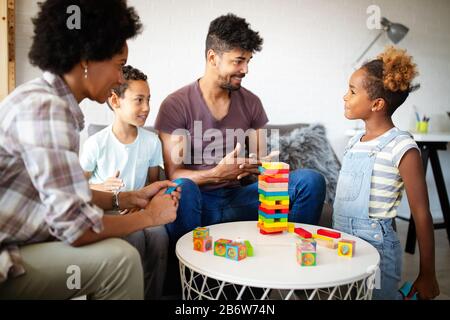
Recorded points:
(391,136)
(353,141)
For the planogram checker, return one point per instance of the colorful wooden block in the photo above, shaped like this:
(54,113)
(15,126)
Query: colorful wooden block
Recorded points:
(269,172)
(274,206)
(203,244)
(268,186)
(220,247)
(303,233)
(236,251)
(307,244)
(329,233)
(306,254)
(272,211)
(274,179)
(249,248)
(267,230)
(274,195)
(291,227)
(272,215)
(200,232)
(330,243)
(281,204)
(274,165)
(346,248)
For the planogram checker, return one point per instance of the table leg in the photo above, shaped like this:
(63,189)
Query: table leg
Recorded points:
(441,189)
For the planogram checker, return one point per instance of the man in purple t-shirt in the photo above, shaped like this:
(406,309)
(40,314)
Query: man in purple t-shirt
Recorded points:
(202,127)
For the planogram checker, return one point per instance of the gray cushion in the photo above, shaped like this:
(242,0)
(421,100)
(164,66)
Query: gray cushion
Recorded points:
(308,147)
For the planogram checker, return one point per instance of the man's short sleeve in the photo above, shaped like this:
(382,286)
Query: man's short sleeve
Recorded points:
(171,115)
(259,115)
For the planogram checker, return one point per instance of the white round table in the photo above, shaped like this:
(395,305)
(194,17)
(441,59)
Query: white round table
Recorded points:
(273,271)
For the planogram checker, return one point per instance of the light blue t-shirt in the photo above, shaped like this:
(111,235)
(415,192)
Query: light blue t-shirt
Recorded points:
(103,154)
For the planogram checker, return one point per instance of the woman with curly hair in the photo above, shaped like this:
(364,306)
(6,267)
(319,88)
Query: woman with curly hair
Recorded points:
(377,166)
(46,207)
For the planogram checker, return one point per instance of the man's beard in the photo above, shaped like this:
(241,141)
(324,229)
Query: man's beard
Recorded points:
(228,86)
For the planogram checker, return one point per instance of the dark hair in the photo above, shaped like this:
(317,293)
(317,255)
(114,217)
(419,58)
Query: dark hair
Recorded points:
(129,74)
(229,32)
(389,77)
(105,26)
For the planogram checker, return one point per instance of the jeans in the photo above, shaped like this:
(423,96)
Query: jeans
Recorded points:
(202,208)
(382,236)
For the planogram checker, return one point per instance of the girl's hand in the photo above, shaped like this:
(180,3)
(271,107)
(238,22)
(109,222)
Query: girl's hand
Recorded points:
(426,287)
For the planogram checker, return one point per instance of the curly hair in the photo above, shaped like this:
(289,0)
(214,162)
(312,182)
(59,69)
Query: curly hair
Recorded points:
(389,77)
(129,74)
(105,27)
(229,32)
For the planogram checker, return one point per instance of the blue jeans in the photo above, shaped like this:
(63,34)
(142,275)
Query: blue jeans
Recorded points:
(201,208)
(382,236)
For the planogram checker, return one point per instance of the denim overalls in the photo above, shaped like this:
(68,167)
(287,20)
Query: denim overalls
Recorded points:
(351,214)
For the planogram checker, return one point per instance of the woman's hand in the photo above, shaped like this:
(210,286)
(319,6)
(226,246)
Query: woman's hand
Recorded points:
(140,198)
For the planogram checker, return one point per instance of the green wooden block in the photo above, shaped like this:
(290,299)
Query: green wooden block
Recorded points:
(249,248)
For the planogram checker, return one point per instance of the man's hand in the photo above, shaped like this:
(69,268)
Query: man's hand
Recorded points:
(232,167)
(251,165)
(162,209)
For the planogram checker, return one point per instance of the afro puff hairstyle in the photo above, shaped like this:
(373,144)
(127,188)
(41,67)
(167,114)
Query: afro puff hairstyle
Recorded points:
(229,32)
(105,27)
(390,77)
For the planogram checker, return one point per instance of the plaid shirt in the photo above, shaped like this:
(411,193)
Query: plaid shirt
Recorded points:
(43,191)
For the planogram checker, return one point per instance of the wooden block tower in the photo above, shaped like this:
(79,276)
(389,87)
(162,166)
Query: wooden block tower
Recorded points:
(274,197)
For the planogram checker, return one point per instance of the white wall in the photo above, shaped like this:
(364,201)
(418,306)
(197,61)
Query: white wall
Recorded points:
(301,73)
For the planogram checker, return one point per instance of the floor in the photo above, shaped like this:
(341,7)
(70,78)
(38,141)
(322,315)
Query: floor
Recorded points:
(411,262)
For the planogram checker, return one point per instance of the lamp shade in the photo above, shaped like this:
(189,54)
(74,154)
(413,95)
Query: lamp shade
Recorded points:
(395,31)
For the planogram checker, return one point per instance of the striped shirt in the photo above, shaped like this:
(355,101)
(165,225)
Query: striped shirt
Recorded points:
(387,185)
(43,191)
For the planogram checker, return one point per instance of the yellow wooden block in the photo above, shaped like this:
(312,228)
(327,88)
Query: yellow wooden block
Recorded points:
(274,224)
(291,227)
(346,248)
(276,203)
(319,236)
(274,165)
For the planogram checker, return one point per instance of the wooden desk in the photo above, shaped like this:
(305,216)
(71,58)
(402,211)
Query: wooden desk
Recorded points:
(429,144)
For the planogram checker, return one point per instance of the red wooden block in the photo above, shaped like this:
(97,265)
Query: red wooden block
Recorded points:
(272,211)
(329,233)
(303,233)
(264,232)
(274,180)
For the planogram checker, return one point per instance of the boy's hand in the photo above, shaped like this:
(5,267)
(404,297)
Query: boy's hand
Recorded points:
(426,287)
(161,209)
(111,184)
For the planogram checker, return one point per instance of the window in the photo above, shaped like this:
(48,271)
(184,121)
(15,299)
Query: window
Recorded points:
(7,44)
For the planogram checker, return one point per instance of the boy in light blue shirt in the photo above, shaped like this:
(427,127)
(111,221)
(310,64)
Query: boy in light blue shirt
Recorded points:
(124,157)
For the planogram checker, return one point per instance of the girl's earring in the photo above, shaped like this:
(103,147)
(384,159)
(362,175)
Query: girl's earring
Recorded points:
(85,72)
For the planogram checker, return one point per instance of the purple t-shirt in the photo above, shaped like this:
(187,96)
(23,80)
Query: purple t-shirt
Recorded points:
(210,139)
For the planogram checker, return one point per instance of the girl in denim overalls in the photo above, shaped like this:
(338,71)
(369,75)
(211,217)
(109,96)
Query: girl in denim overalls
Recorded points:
(376,90)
